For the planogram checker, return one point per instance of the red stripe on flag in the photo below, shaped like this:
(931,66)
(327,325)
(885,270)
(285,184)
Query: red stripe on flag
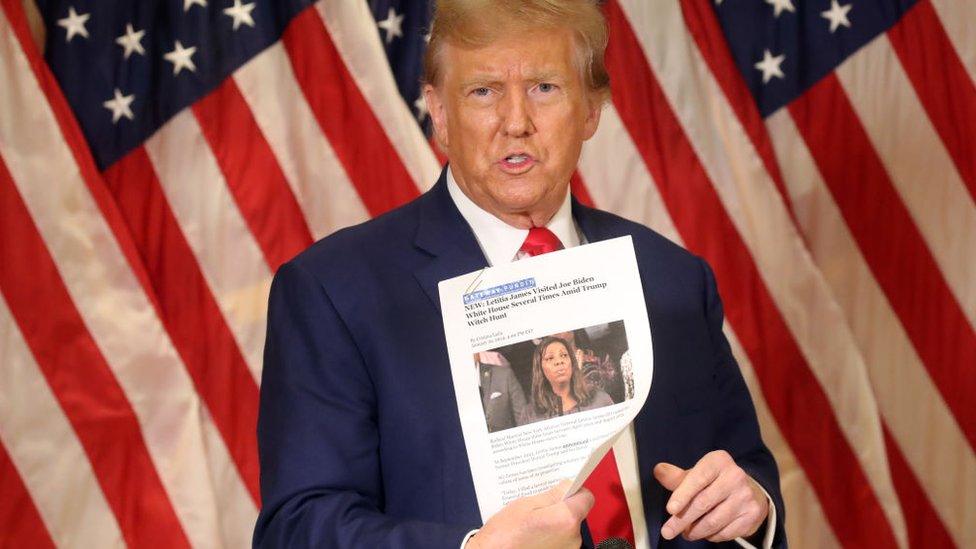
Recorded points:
(253,175)
(705,29)
(22,524)
(944,87)
(366,153)
(894,249)
(579,190)
(74,139)
(80,378)
(811,428)
(190,312)
(925,528)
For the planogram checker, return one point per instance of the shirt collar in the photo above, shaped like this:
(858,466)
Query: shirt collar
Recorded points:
(500,241)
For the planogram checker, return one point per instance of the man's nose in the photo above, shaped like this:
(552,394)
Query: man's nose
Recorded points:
(516,114)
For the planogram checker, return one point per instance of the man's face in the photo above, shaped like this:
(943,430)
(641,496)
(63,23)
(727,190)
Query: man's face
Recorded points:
(512,117)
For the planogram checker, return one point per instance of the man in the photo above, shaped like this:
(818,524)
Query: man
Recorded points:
(359,435)
(502,397)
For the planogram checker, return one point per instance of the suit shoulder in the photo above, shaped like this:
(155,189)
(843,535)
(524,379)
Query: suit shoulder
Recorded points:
(354,252)
(350,249)
(647,241)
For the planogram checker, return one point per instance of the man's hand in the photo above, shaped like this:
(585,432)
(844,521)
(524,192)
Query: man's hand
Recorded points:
(714,500)
(544,520)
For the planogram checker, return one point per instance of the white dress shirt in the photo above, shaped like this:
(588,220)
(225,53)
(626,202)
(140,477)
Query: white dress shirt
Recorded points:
(500,242)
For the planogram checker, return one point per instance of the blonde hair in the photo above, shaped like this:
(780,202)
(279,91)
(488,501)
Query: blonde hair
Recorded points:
(476,23)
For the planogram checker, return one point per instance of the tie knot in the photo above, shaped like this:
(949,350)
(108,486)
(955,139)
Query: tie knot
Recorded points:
(540,241)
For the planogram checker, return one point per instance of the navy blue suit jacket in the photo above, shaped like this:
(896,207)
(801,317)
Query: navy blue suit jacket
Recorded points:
(359,436)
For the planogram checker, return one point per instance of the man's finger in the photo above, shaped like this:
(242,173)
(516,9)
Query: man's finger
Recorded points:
(549,497)
(701,475)
(701,504)
(580,503)
(738,528)
(670,476)
(713,522)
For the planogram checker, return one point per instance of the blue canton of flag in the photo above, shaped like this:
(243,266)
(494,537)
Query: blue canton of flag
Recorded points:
(126,68)
(782,47)
(404,27)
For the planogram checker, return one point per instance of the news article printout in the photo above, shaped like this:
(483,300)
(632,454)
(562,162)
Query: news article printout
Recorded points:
(551,360)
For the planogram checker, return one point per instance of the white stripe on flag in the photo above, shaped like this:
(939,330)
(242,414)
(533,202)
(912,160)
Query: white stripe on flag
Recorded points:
(237,512)
(957,18)
(226,251)
(46,451)
(756,208)
(913,409)
(807,525)
(617,178)
(927,180)
(324,192)
(356,37)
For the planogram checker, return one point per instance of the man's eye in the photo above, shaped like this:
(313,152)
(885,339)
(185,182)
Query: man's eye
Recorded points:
(481,92)
(546,87)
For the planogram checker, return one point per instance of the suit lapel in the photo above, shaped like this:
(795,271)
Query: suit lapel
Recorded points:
(592,228)
(444,235)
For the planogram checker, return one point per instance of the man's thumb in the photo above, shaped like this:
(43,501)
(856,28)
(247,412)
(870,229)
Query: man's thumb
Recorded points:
(670,476)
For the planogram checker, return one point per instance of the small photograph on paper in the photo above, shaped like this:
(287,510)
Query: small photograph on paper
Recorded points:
(556,375)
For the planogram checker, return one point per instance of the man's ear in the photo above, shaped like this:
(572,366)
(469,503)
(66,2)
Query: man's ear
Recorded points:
(435,109)
(595,102)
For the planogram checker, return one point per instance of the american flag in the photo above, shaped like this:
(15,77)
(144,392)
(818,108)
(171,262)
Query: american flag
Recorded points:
(160,159)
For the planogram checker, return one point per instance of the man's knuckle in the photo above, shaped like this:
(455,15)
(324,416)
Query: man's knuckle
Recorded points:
(702,504)
(710,523)
(742,498)
(753,509)
(737,475)
(567,522)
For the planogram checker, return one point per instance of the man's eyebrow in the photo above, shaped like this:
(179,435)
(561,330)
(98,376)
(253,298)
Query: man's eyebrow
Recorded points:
(545,76)
(480,80)
(493,80)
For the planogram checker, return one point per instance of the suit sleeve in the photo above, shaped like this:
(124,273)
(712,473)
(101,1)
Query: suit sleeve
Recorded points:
(321,482)
(520,410)
(736,423)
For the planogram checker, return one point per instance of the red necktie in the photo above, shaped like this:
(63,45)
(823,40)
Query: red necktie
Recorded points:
(610,517)
(540,241)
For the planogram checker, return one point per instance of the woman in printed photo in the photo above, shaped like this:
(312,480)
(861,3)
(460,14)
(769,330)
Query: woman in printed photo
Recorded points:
(558,388)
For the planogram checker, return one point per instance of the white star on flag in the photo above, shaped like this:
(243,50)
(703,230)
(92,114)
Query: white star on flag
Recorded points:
(770,66)
(74,24)
(181,58)
(187,4)
(393,25)
(241,13)
(837,15)
(421,107)
(780,5)
(120,106)
(131,41)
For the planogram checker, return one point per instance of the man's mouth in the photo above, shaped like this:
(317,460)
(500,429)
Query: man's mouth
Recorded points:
(517,163)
